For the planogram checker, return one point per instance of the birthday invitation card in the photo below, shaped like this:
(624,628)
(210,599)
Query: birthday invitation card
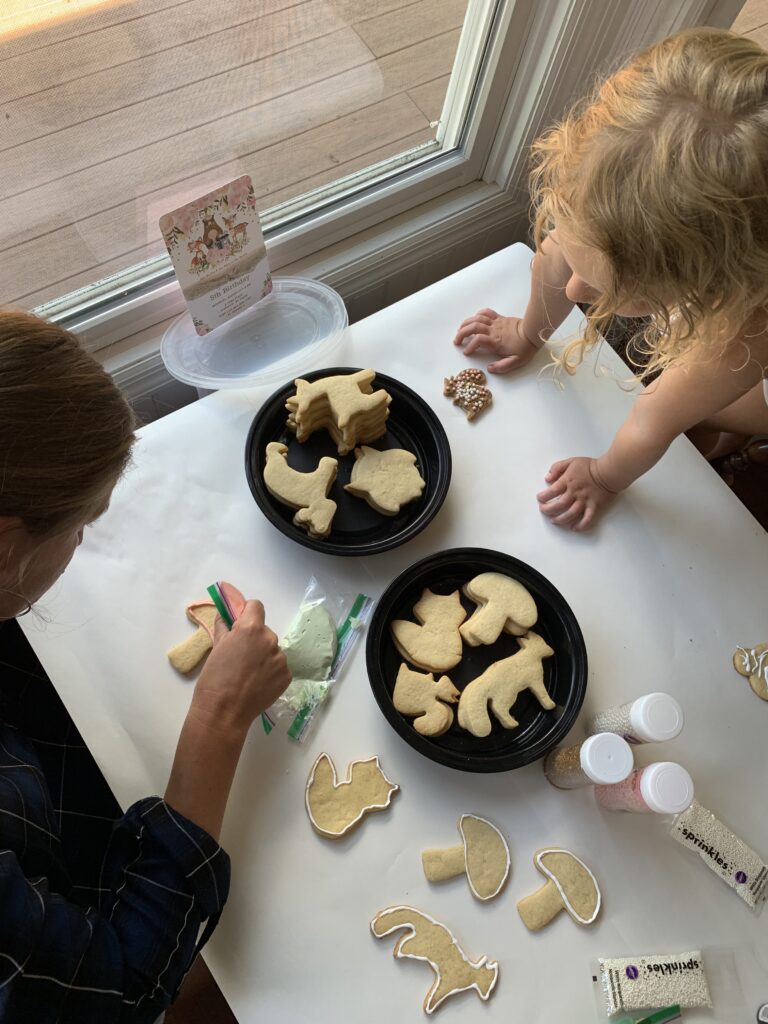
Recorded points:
(217,250)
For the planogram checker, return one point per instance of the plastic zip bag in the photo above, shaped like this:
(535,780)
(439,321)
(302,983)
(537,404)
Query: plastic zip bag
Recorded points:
(317,644)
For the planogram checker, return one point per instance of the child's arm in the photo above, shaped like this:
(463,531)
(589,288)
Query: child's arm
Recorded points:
(683,396)
(513,340)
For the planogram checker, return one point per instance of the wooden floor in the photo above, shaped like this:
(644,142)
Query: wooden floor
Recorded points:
(110,119)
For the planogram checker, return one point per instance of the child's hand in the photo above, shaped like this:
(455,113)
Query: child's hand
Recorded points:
(486,331)
(575,496)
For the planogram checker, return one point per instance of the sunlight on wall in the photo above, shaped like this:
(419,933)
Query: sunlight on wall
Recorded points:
(18,17)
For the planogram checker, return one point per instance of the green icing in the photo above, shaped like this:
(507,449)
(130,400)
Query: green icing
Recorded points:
(309,647)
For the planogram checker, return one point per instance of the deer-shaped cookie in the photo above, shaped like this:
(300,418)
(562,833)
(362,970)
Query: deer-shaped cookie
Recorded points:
(307,492)
(435,644)
(336,807)
(420,697)
(428,940)
(500,685)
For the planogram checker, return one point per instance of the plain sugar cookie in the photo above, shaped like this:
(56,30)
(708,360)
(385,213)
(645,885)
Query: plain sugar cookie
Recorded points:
(426,939)
(386,480)
(504,606)
(500,685)
(435,644)
(307,492)
(417,695)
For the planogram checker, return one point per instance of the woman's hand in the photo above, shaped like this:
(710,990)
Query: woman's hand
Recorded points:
(486,331)
(575,496)
(245,673)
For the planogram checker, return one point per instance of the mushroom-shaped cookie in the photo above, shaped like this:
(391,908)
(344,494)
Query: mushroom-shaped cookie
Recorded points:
(570,886)
(187,655)
(505,605)
(483,855)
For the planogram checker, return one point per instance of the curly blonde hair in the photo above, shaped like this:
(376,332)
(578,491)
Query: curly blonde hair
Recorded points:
(664,170)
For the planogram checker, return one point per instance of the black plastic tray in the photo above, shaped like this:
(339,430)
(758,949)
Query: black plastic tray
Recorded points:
(357,528)
(565,673)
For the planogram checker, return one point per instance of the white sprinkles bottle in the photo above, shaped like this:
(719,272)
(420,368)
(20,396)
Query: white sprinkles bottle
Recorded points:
(653,718)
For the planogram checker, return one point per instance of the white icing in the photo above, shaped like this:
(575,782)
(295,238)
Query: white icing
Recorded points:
(411,926)
(393,788)
(566,901)
(490,824)
(754,664)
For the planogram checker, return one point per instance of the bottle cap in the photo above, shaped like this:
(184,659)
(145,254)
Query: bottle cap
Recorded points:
(666,787)
(606,758)
(656,717)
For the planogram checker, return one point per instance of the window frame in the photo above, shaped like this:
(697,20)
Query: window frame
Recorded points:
(534,65)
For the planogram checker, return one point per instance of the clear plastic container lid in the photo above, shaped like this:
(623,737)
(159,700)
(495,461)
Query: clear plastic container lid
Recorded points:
(299,324)
(606,759)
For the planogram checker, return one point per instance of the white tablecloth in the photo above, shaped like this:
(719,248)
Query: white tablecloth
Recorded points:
(664,590)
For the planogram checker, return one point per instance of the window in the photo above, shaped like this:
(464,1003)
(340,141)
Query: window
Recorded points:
(380,136)
(116,111)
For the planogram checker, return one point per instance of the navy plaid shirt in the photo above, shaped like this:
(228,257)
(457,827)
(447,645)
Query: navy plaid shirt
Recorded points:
(100,912)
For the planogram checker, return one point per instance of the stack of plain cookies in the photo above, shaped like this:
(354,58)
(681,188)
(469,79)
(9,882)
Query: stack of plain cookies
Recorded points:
(346,406)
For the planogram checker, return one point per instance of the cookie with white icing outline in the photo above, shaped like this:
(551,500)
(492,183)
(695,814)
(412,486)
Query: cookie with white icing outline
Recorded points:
(334,807)
(483,856)
(570,886)
(386,480)
(430,941)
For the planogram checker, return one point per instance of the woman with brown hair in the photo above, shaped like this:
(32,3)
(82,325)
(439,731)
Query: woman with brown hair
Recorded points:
(101,915)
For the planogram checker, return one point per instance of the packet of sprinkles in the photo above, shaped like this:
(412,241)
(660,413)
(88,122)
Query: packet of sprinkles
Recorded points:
(698,830)
(639,982)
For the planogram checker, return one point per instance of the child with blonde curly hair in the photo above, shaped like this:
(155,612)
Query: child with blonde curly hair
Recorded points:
(651,199)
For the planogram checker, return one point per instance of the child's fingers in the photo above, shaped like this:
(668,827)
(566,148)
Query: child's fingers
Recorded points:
(551,492)
(491,313)
(572,516)
(557,505)
(503,365)
(586,520)
(469,329)
(479,340)
(556,470)
(462,331)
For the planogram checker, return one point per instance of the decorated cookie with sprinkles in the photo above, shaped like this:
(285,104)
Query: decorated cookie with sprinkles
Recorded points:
(469,391)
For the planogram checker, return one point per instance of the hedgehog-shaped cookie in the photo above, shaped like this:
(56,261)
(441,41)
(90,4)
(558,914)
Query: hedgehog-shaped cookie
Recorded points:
(469,391)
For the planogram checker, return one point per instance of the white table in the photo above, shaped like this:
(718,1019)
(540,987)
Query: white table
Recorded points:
(664,590)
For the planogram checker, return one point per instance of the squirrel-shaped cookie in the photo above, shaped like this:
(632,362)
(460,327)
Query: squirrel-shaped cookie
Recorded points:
(752,662)
(426,700)
(426,939)
(334,807)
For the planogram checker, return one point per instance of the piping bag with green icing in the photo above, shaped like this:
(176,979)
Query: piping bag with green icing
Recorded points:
(314,646)
(321,637)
